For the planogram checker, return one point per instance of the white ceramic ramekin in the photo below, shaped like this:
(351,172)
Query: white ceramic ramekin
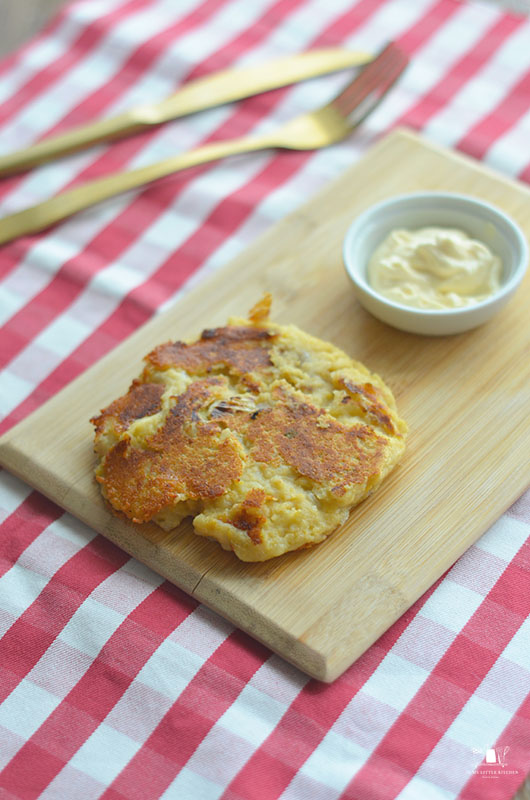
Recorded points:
(478,219)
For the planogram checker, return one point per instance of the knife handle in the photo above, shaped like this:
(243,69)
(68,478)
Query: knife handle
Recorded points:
(211,90)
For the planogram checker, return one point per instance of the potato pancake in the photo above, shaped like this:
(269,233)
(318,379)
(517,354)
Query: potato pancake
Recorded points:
(266,435)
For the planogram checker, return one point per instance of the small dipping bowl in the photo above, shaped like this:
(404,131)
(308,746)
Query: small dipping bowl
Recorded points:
(426,210)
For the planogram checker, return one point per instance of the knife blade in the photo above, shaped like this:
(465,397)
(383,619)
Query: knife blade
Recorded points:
(212,90)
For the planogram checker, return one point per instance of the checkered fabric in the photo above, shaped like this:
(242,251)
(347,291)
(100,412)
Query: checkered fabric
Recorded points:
(115,684)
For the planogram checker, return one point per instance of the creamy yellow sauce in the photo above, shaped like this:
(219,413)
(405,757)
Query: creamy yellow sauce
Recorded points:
(434,268)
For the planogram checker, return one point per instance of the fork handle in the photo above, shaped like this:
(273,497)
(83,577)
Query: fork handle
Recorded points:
(41,216)
(211,90)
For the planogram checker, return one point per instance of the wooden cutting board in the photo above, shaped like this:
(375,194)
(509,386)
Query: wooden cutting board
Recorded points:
(465,398)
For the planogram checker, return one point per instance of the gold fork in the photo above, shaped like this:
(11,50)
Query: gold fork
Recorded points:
(326,125)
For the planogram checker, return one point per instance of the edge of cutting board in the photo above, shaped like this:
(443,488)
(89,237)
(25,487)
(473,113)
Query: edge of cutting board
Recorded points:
(326,641)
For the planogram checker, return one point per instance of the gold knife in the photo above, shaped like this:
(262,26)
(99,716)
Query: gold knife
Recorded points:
(212,90)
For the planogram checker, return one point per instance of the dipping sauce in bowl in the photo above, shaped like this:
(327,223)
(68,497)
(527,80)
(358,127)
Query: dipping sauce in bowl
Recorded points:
(434,268)
(464,272)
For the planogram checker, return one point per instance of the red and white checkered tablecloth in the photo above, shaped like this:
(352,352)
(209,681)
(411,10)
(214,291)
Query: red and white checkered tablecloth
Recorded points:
(114,684)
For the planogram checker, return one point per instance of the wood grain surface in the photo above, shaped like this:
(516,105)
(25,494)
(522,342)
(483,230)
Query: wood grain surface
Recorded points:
(322,608)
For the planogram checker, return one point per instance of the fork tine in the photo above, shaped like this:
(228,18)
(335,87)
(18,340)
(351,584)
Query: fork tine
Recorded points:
(390,60)
(373,82)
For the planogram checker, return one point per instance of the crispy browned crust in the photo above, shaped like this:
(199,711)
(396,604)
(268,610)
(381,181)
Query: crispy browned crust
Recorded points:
(247,516)
(184,457)
(315,444)
(365,395)
(261,310)
(141,400)
(240,349)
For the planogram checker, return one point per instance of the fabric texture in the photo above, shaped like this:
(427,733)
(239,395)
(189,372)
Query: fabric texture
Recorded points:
(115,684)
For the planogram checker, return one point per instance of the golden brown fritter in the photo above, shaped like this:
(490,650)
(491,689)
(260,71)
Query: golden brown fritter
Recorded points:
(239,349)
(142,400)
(265,435)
